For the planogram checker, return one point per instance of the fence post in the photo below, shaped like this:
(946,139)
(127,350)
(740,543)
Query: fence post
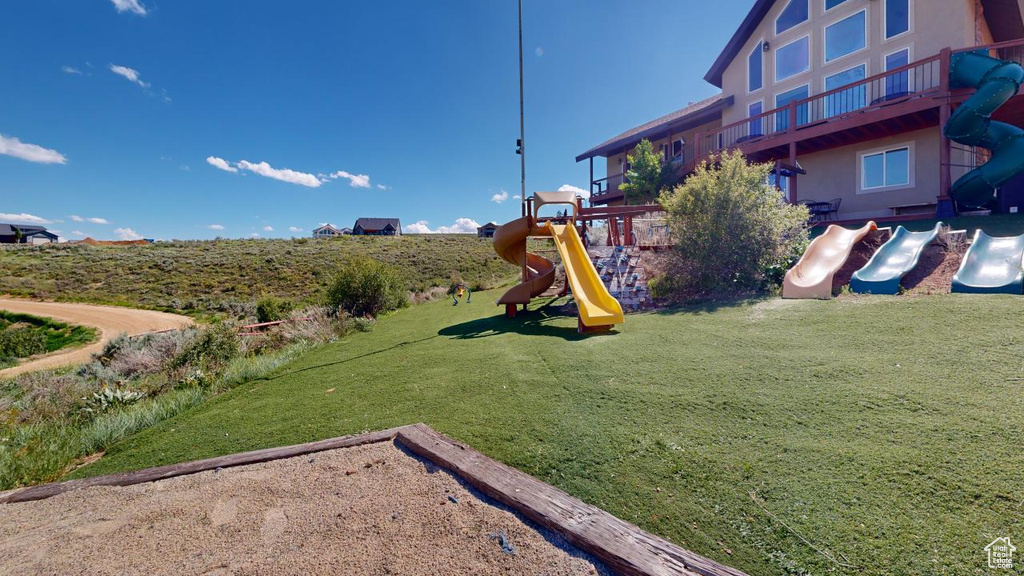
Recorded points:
(945,56)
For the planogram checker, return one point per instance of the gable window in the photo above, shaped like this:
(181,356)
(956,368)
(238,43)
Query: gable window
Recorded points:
(781,100)
(755,68)
(898,84)
(885,169)
(793,58)
(794,13)
(853,98)
(846,36)
(830,4)
(756,126)
(897,17)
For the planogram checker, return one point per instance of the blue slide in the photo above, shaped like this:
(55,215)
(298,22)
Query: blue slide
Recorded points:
(992,266)
(882,274)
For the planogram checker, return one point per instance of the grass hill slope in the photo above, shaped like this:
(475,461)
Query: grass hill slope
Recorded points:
(228,275)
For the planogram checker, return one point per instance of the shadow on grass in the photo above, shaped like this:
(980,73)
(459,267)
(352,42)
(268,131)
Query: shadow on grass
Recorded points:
(709,305)
(532,322)
(347,360)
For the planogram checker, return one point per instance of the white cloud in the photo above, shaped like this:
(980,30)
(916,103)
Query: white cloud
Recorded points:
(517,197)
(500,196)
(216,226)
(284,174)
(11,146)
(538,51)
(383,187)
(129,74)
(134,6)
(220,163)
(70,70)
(294,229)
(93,220)
(23,218)
(78,233)
(461,226)
(354,180)
(127,234)
(570,188)
(254,235)
(268,228)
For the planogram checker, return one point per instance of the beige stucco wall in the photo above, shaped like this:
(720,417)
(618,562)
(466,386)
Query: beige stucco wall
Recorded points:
(835,173)
(935,24)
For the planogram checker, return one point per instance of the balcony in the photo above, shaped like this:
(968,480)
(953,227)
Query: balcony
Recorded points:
(607,189)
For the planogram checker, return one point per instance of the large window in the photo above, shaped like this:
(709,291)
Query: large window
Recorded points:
(853,98)
(782,116)
(756,126)
(830,4)
(755,68)
(846,36)
(793,14)
(792,59)
(897,17)
(885,169)
(898,84)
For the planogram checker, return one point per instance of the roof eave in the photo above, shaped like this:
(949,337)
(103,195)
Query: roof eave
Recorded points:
(697,118)
(757,13)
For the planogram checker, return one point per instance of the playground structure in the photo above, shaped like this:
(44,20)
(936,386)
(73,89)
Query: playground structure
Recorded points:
(900,255)
(992,266)
(812,275)
(598,309)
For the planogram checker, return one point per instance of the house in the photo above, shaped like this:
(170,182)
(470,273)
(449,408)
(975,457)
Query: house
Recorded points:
(487,230)
(20,234)
(846,98)
(328,231)
(377,227)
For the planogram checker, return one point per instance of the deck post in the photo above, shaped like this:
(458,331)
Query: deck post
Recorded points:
(944,206)
(591,175)
(792,180)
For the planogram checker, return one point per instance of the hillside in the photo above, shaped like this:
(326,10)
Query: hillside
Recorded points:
(228,275)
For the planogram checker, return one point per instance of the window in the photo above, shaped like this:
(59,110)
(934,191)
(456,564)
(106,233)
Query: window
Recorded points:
(848,100)
(756,126)
(792,59)
(793,14)
(677,147)
(846,36)
(897,17)
(885,169)
(898,84)
(755,68)
(830,4)
(782,116)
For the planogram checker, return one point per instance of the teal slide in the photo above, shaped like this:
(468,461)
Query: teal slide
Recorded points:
(882,274)
(992,266)
(971,124)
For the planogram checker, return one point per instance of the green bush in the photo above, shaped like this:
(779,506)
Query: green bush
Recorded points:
(367,287)
(21,342)
(733,231)
(211,347)
(272,309)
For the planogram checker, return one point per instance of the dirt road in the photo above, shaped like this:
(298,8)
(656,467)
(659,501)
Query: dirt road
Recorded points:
(109,320)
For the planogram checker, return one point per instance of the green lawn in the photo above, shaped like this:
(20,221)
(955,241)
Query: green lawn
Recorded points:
(24,335)
(886,431)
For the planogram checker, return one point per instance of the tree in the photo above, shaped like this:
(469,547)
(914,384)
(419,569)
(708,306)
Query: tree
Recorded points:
(644,179)
(732,230)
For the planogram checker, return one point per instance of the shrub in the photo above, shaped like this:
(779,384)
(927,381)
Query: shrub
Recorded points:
(732,230)
(647,174)
(210,347)
(367,287)
(272,309)
(21,342)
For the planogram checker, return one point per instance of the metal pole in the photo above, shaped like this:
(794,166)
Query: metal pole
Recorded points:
(522,121)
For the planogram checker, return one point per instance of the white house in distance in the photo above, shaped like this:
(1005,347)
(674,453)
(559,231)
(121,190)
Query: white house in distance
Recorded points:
(329,231)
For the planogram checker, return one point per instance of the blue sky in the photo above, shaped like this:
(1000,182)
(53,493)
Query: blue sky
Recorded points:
(203,118)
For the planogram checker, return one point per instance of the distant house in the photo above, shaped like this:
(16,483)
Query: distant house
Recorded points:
(377,227)
(487,230)
(328,231)
(9,234)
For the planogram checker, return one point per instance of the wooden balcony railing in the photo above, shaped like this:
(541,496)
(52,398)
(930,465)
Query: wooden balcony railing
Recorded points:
(610,184)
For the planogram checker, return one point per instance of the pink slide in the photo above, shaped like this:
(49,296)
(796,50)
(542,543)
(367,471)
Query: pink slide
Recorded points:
(812,275)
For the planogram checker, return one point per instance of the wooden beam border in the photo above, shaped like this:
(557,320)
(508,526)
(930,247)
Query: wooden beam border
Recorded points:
(622,546)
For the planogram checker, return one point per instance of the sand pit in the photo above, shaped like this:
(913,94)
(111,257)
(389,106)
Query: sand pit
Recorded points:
(371,509)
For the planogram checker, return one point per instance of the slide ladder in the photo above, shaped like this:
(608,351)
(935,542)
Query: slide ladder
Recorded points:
(971,124)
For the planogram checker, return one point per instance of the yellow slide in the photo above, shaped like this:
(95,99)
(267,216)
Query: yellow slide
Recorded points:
(596,306)
(812,275)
